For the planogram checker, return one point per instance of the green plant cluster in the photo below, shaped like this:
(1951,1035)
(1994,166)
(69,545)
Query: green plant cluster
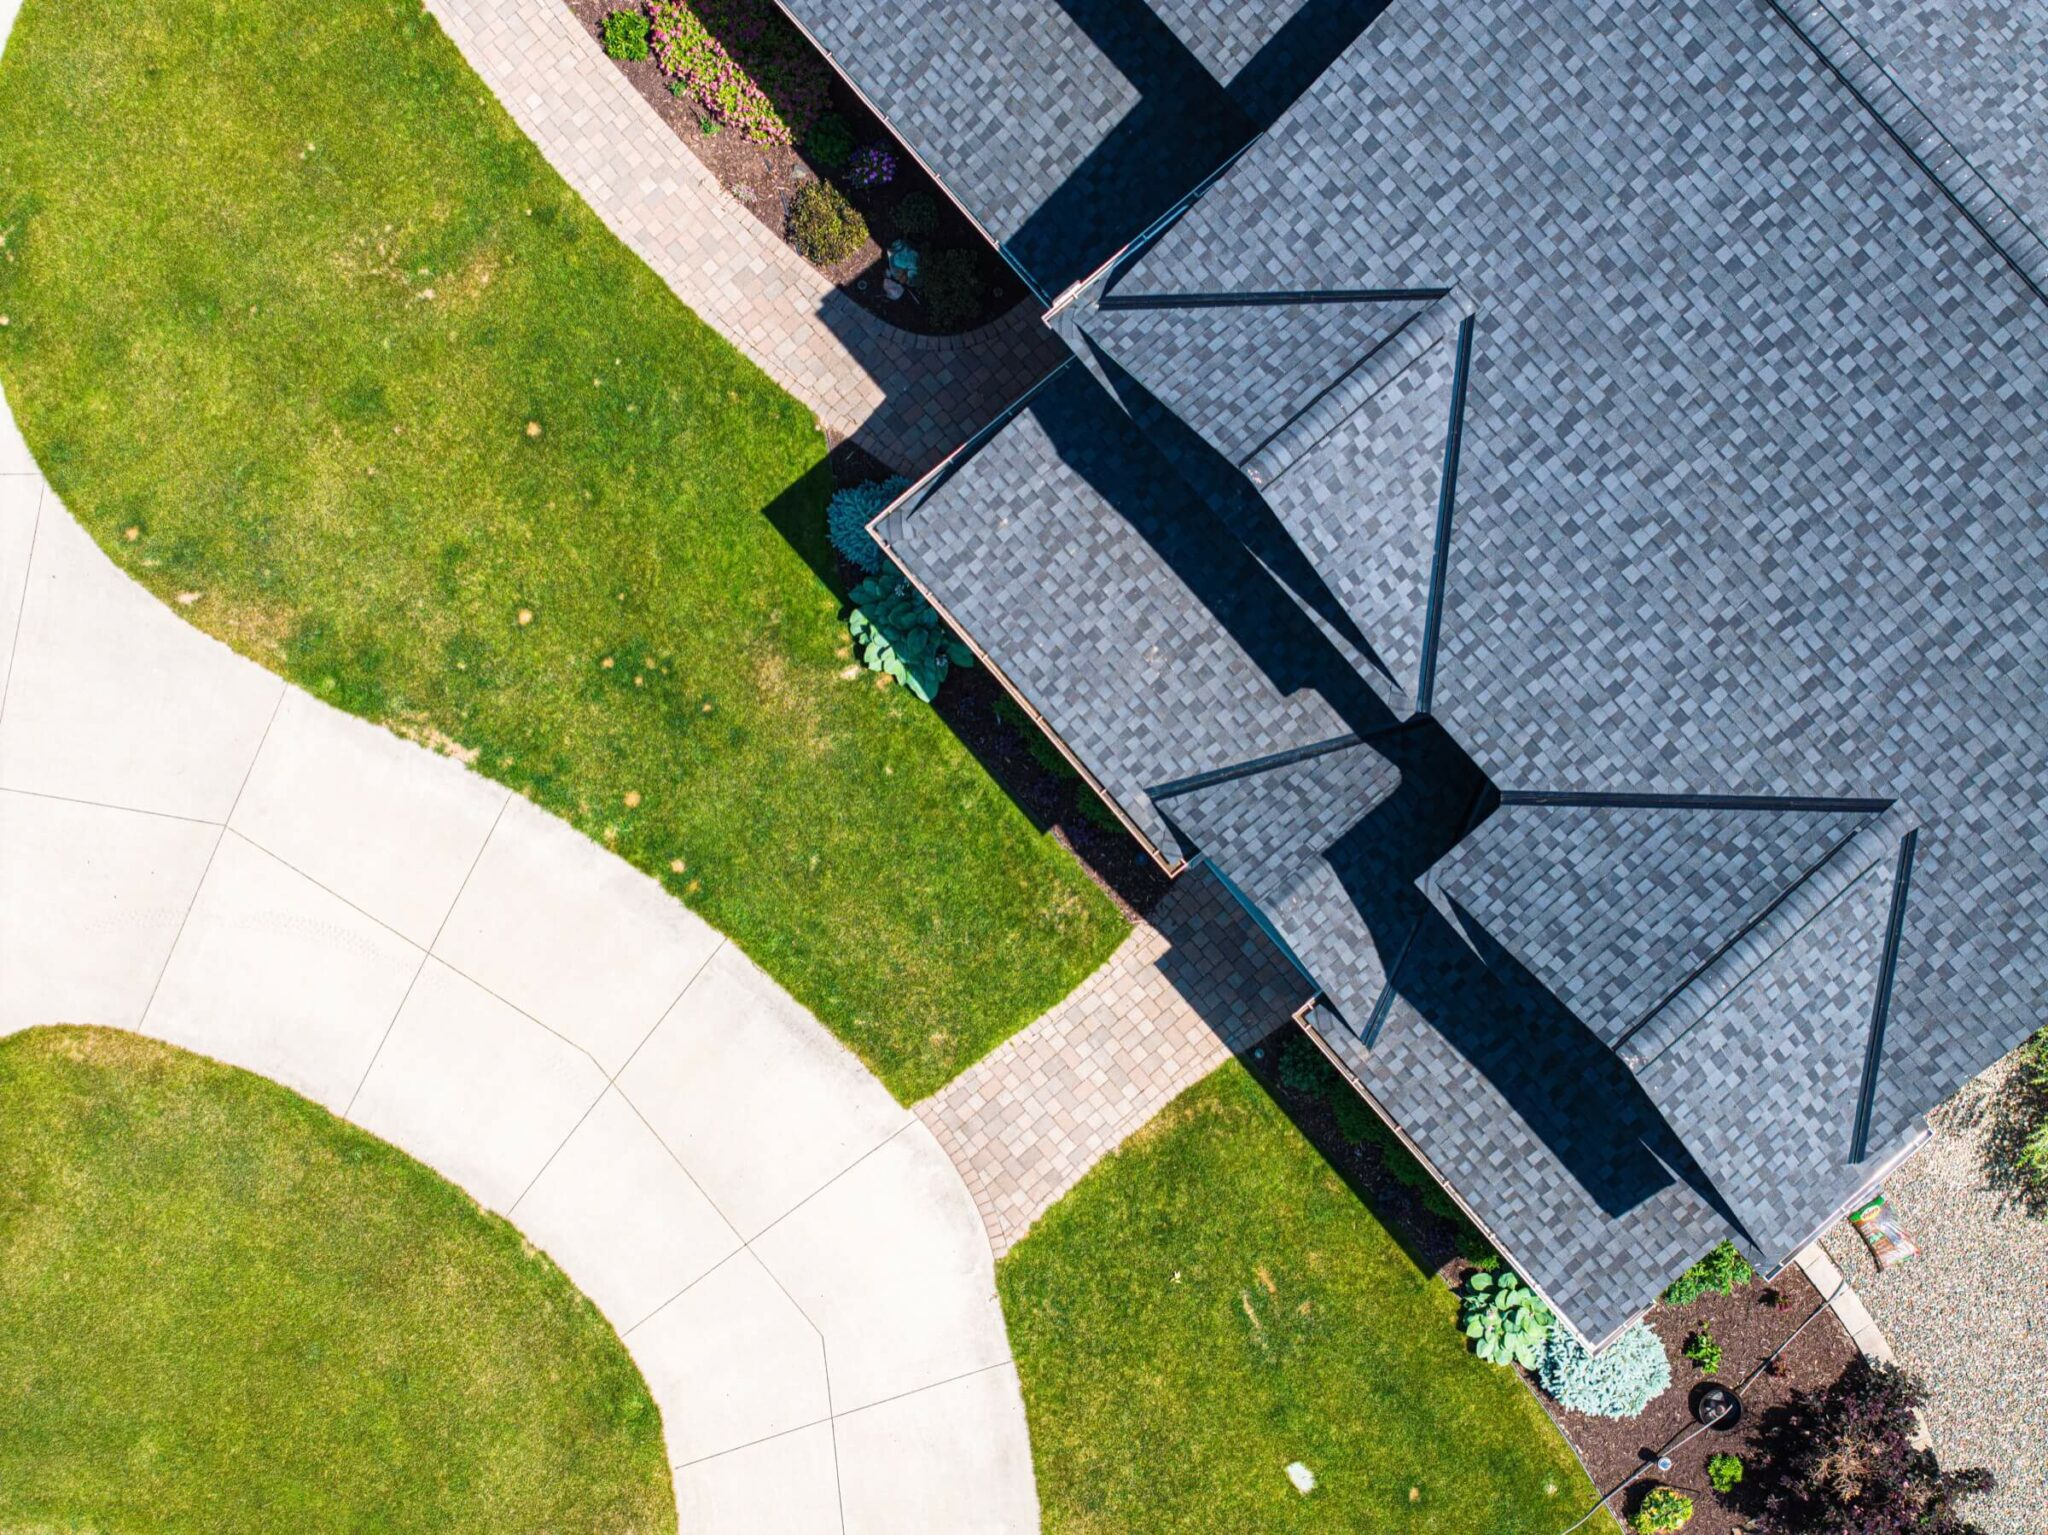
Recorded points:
(900,636)
(625,34)
(823,225)
(1703,1350)
(1619,1382)
(1505,1319)
(1722,1271)
(1724,1472)
(829,142)
(917,215)
(848,514)
(952,287)
(2030,1143)
(1662,1511)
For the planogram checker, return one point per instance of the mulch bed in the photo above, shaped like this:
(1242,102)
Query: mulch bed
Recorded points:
(1748,1330)
(763,177)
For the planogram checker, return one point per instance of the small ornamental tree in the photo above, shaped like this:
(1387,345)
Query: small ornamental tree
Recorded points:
(1841,1462)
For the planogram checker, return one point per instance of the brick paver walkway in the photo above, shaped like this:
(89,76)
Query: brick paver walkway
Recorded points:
(1183,992)
(907,399)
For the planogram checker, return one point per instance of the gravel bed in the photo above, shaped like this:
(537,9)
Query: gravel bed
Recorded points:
(1967,1313)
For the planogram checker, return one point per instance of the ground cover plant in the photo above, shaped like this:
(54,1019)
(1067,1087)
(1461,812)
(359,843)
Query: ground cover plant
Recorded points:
(223,1310)
(744,62)
(1214,1303)
(310,338)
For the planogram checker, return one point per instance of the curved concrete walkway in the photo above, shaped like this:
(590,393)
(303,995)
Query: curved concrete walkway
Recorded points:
(192,849)
(907,399)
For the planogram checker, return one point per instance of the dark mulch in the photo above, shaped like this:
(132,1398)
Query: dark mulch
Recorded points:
(1748,1329)
(763,177)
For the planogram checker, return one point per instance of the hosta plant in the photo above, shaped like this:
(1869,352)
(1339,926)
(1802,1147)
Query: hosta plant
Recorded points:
(900,636)
(850,511)
(1618,1382)
(1662,1511)
(1505,1320)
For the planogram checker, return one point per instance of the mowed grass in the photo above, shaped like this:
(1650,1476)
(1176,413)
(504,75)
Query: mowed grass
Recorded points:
(1213,1303)
(223,1310)
(319,348)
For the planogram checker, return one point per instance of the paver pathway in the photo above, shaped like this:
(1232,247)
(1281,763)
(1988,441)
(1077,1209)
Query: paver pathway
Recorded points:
(1183,992)
(907,399)
(192,849)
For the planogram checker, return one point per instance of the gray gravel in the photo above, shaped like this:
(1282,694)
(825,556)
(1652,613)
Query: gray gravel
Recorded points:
(1968,1313)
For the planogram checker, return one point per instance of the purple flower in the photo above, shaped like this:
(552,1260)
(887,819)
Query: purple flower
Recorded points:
(873,166)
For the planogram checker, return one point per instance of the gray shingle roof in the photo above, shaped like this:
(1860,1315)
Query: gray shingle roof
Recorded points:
(1107,594)
(1747,503)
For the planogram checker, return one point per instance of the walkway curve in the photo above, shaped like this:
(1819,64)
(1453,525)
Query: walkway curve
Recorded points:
(907,399)
(192,849)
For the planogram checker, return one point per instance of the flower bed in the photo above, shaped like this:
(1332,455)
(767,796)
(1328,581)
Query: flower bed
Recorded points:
(746,92)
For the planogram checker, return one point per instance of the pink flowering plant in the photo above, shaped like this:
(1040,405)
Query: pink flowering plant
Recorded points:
(743,62)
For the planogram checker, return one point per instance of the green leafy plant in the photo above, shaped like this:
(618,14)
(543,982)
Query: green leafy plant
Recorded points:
(917,215)
(823,225)
(1724,1472)
(829,142)
(900,636)
(1702,1350)
(952,287)
(625,34)
(1618,1382)
(1721,1271)
(1504,1318)
(1663,1510)
(848,514)
(2016,1149)
(745,62)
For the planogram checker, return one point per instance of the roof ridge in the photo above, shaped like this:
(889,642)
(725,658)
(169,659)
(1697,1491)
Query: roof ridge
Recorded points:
(1874,840)
(1865,77)
(1422,333)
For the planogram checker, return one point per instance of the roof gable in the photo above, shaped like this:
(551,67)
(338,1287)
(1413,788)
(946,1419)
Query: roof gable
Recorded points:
(1616,905)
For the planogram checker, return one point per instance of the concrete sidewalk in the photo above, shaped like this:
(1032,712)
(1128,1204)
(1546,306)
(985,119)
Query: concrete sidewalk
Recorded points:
(191,849)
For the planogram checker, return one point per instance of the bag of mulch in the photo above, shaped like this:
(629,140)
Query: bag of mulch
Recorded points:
(1882,1234)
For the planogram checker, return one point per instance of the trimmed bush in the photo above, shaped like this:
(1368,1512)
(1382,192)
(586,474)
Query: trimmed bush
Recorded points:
(1722,1271)
(625,34)
(1724,1472)
(823,225)
(1663,1510)
(830,141)
(745,62)
(917,215)
(1505,1320)
(1618,1383)
(900,636)
(952,287)
(850,511)
(1842,1462)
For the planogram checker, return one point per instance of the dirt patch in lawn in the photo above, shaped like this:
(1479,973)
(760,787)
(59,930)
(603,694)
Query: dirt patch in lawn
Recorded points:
(1748,1328)
(764,177)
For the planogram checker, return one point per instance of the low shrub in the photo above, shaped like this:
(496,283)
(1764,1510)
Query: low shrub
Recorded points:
(1841,1461)
(745,62)
(848,514)
(1505,1320)
(873,166)
(625,34)
(2017,1147)
(823,225)
(829,141)
(1663,1510)
(917,215)
(952,287)
(1702,1350)
(1721,1271)
(899,635)
(1619,1382)
(1724,1472)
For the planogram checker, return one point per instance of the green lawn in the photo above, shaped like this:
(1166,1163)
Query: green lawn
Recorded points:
(1213,1303)
(315,344)
(223,1310)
